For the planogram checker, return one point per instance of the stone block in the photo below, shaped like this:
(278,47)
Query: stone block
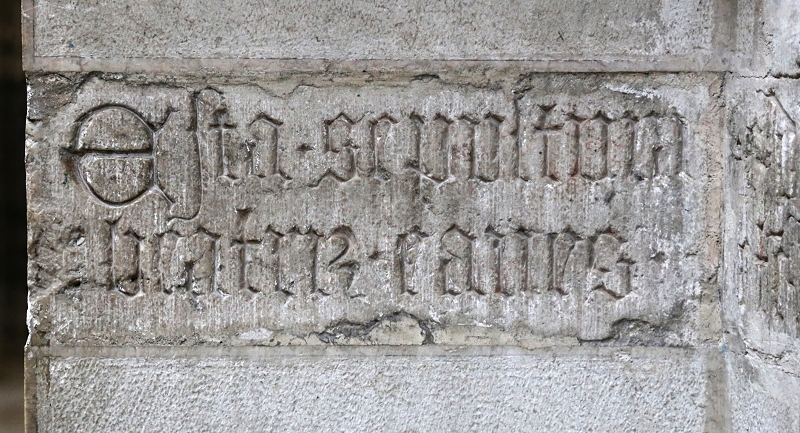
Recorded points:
(332,390)
(761,258)
(290,34)
(211,212)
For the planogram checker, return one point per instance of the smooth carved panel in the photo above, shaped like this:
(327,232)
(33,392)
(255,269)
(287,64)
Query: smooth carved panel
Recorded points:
(557,211)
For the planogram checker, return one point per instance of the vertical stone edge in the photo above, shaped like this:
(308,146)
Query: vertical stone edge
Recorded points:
(757,347)
(28,43)
(718,411)
(32,362)
(760,290)
(726,27)
(34,365)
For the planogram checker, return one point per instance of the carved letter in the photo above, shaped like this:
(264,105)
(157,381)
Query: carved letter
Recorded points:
(514,264)
(562,152)
(644,147)
(593,135)
(434,148)
(610,274)
(487,148)
(413,264)
(487,262)
(298,252)
(620,147)
(457,261)
(125,260)
(263,149)
(339,147)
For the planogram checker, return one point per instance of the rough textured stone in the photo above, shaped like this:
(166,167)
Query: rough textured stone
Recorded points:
(690,31)
(760,300)
(763,303)
(768,38)
(606,391)
(584,224)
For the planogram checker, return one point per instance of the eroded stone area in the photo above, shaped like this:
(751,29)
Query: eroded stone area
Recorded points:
(764,157)
(542,208)
(761,258)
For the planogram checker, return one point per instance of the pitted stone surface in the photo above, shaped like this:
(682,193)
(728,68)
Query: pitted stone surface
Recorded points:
(764,228)
(604,392)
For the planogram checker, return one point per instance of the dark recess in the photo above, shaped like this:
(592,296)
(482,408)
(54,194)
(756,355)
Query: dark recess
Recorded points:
(12,193)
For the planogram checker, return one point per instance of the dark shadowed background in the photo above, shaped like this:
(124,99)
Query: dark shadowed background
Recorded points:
(12,218)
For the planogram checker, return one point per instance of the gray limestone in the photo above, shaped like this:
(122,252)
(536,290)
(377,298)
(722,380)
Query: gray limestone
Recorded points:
(549,207)
(417,216)
(763,301)
(218,33)
(602,391)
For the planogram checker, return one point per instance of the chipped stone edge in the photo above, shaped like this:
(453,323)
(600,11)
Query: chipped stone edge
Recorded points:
(38,353)
(33,63)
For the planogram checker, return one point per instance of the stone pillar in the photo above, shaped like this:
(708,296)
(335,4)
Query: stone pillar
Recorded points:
(411,216)
(761,289)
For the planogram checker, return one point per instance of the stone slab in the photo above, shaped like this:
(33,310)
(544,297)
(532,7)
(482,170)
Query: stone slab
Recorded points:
(489,389)
(762,255)
(761,302)
(764,395)
(312,34)
(550,207)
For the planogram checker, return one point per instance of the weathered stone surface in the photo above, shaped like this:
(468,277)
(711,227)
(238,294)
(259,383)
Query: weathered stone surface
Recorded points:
(760,287)
(768,38)
(550,207)
(764,213)
(761,257)
(763,395)
(604,391)
(425,212)
(214,34)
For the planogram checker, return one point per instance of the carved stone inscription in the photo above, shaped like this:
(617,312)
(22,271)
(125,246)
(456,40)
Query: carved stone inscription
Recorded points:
(558,212)
(765,261)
